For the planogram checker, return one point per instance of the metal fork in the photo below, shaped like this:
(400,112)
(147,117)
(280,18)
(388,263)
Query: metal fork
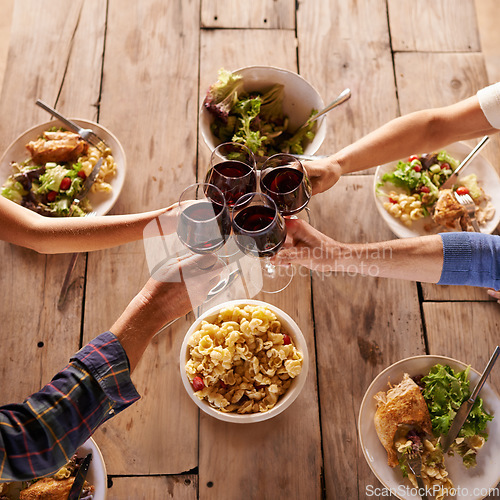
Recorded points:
(468,203)
(414,461)
(87,134)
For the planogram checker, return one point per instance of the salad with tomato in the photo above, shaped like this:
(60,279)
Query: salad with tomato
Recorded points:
(421,176)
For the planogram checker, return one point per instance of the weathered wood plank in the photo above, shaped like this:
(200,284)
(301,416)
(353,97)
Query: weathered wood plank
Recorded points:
(271,14)
(362,324)
(346,44)
(150,101)
(258,451)
(42,67)
(433,26)
(154,488)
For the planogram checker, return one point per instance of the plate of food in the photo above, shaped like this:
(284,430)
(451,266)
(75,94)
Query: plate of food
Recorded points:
(409,198)
(59,484)
(408,407)
(262,107)
(45,168)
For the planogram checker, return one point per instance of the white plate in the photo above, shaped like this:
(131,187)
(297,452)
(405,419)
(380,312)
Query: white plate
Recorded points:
(299,99)
(97,474)
(475,482)
(102,203)
(487,178)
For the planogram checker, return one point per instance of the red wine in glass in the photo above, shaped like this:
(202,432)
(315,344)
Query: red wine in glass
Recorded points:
(259,230)
(204,226)
(285,180)
(234,178)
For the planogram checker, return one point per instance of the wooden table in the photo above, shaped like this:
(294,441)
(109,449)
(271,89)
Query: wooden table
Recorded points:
(141,69)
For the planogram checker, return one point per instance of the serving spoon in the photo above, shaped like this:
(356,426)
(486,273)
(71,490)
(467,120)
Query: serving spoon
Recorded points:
(342,97)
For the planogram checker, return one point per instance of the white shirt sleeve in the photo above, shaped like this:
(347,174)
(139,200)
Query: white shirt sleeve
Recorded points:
(489,100)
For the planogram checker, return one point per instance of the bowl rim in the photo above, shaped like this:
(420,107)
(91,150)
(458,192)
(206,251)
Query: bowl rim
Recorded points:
(285,401)
(321,122)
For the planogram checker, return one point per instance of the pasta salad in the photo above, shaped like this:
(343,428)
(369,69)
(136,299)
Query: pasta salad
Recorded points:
(243,361)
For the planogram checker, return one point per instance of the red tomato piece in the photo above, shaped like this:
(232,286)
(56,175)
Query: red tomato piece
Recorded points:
(425,189)
(417,168)
(286,339)
(392,200)
(445,165)
(198,384)
(82,174)
(65,184)
(462,190)
(413,157)
(51,196)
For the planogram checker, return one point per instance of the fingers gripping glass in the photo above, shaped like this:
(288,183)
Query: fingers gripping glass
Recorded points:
(260,231)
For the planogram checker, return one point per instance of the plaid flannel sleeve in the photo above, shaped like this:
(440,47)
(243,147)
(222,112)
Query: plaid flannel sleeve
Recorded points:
(40,435)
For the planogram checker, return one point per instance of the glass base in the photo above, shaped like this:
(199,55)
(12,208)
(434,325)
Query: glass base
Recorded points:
(262,276)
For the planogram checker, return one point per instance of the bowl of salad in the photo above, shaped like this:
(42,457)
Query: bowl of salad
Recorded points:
(409,197)
(262,107)
(45,168)
(472,465)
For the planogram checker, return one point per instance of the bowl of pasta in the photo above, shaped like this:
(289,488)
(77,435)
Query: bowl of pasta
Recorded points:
(244,361)
(44,169)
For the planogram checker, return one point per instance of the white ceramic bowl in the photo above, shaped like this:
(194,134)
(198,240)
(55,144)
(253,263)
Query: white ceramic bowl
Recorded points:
(471,484)
(284,401)
(102,203)
(487,177)
(299,100)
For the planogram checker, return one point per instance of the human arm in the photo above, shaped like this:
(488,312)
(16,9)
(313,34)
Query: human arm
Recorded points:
(23,227)
(447,259)
(415,133)
(41,434)
(416,259)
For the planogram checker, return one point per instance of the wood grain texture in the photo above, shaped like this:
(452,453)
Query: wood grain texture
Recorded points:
(346,44)
(433,26)
(270,14)
(149,100)
(181,487)
(43,67)
(259,450)
(362,325)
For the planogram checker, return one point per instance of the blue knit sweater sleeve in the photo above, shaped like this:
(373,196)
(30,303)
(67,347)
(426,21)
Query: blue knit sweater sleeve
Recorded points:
(471,259)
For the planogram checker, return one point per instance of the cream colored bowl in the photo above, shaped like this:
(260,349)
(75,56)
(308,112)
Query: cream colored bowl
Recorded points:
(299,99)
(284,401)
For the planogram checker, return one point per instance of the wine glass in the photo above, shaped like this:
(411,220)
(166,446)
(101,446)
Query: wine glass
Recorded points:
(233,170)
(259,230)
(204,222)
(284,179)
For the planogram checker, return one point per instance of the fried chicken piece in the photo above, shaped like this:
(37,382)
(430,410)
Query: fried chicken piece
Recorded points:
(403,404)
(57,147)
(447,211)
(51,489)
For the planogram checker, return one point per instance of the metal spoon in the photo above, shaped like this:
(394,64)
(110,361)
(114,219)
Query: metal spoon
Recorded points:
(342,97)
